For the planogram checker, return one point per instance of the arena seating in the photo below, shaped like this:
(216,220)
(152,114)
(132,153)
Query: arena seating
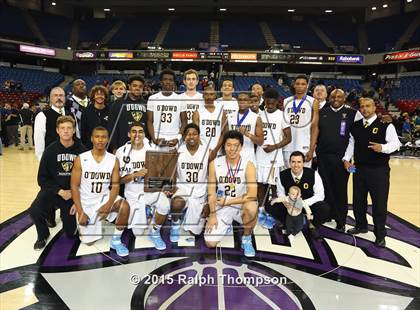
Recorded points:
(93,30)
(32,80)
(242,34)
(383,33)
(57,35)
(14,26)
(19,97)
(135,31)
(244,83)
(346,84)
(181,34)
(339,31)
(296,34)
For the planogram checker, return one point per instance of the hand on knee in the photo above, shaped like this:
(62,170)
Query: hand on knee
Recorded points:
(211,244)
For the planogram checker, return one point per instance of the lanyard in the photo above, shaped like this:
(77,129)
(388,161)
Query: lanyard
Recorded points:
(230,170)
(240,121)
(296,109)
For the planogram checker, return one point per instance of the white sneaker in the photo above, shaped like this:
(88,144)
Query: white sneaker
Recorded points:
(291,239)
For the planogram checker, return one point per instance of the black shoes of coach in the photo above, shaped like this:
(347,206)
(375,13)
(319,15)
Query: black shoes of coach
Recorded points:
(355,231)
(51,224)
(313,231)
(380,243)
(40,244)
(339,228)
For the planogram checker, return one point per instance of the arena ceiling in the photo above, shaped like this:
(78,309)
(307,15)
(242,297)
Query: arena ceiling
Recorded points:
(231,6)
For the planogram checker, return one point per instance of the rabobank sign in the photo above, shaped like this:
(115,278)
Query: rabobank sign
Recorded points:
(353,59)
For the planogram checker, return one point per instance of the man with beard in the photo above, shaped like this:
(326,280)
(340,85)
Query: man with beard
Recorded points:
(45,122)
(126,111)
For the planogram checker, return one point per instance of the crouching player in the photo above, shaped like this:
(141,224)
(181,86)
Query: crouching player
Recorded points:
(232,194)
(132,157)
(95,183)
(191,191)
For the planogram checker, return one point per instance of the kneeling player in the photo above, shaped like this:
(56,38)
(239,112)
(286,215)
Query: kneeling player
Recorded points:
(232,194)
(95,185)
(191,183)
(132,157)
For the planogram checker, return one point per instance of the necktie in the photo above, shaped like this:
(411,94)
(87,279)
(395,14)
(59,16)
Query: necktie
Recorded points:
(366,124)
(61,111)
(83,103)
(297,180)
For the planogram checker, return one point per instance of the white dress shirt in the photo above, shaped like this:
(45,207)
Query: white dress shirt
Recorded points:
(318,189)
(40,130)
(392,142)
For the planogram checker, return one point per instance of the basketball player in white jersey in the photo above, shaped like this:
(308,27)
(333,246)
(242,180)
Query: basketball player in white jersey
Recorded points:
(191,184)
(192,99)
(277,135)
(247,123)
(132,157)
(232,194)
(227,101)
(301,112)
(211,120)
(166,114)
(95,183)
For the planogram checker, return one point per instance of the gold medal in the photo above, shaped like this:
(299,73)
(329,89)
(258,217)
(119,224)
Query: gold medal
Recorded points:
(232,186)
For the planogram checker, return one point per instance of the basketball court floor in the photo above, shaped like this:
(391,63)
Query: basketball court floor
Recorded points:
(338,272)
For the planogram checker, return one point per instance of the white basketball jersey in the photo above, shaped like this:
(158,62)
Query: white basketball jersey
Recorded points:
(229,106)
(300,123)
(166,114)
(131,161)
(273,125)
(96,179)
(210,125)
(249,122)
(192,171)
(191,103)
(232,184)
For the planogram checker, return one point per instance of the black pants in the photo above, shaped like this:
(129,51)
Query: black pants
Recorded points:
(43,208)
(320,211)
(294,224)
(373,180)
(335,179)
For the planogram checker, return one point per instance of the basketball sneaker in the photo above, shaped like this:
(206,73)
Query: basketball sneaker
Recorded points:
(118,246)
(247,246)
(154,236)
(174,235)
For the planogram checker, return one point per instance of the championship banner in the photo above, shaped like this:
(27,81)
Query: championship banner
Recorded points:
(401,56)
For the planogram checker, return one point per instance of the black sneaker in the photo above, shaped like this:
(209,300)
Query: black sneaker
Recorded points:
(355,231)
(40,244)
(51,223)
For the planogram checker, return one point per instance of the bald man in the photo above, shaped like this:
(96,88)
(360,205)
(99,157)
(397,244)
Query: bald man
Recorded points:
(78,101)
(335,122)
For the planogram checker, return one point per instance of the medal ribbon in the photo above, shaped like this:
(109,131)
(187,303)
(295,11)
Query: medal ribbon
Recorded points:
(230,170)
(240,121)
(296,109)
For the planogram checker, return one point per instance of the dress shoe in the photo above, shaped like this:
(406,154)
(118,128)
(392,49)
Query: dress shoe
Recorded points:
(355,231)
(40,244)
(313,231)
(380,243)
(339,228)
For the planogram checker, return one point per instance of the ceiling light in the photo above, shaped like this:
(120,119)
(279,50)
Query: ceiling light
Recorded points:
(408,1)
(328,11)
(385,6)
(291,10)
(171,9)
(374,8)
(107,10)
(53,3)
(69,48)
(222,9)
